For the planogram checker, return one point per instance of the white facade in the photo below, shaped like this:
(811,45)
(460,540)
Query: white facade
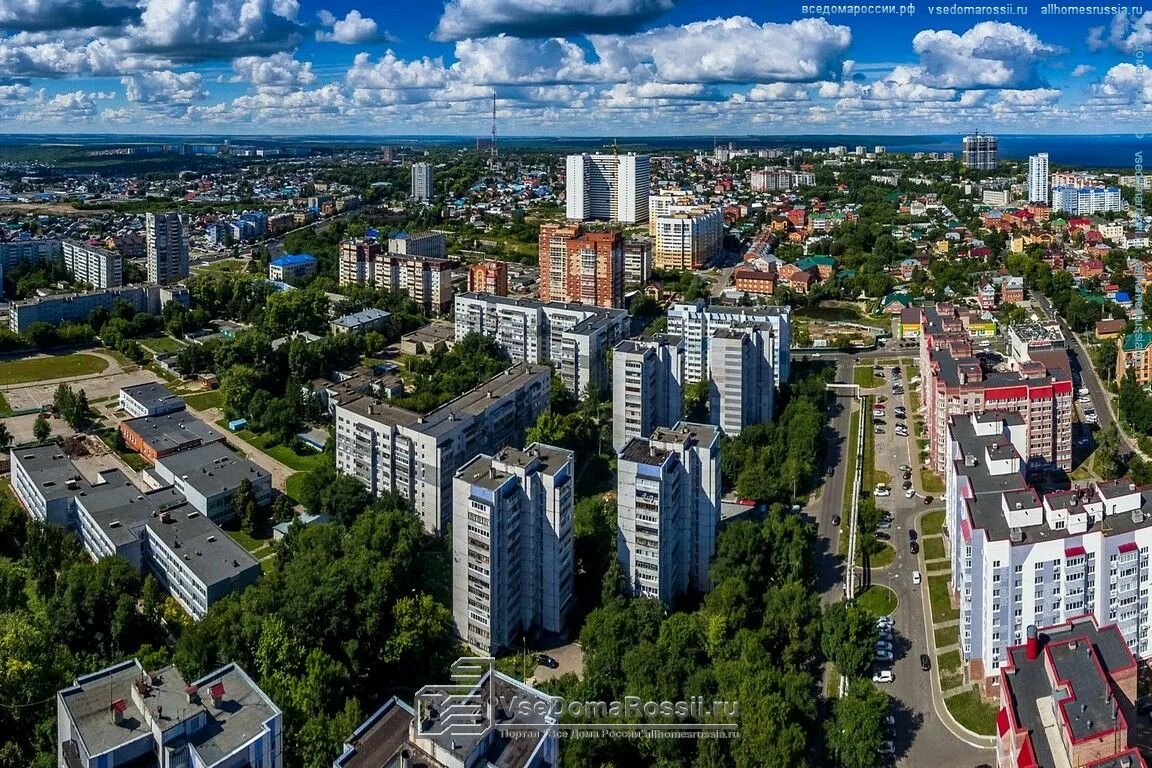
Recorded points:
(74,307)
(513,561)
(696,323)
(167,247)
(1019,558)
(421,181)
(90,264)
(1038,178)
(613,187)
(688,239)
(742,386)
(668,510)
(390,449)
(1080,201)
(647,387)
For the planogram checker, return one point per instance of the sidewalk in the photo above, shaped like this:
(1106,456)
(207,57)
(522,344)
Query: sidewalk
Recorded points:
(280,472)
(938,696)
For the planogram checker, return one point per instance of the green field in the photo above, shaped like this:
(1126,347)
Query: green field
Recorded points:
(53,367)
(5,409)
(879,601)
(973,712)
(162,345)
(946,636)
(933,549)
(282,453)
(863,376)
(293,483)
(932,522)
(202,401)
(938,594)
(930,481)
(883,558)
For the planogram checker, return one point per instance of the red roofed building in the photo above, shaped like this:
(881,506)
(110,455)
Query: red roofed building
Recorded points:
(797,216)
(1080,223)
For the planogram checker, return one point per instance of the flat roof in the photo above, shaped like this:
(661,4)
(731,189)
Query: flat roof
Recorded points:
(492,472)
(172,430)
(293,259)
(369,315)
(212,468)
(120,509)
(207,551)
(89,702)
(150,394)
(377,742)
(444,418)
(243,710)
(49,470)
(642,451)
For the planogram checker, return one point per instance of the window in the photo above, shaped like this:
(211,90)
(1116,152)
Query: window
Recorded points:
(1019,568)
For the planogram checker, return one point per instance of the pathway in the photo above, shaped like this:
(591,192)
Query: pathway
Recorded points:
(280,472)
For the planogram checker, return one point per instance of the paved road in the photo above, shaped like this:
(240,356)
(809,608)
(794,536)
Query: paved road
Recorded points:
(829,569)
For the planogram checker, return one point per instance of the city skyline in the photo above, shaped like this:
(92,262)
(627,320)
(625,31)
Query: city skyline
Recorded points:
(632,67)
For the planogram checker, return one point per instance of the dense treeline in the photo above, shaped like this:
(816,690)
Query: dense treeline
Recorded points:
(442,376)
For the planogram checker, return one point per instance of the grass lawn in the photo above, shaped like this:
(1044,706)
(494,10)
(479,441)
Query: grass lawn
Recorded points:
(53,367)
(938,594)
(946,636)
(878,600)
(250,543)
(950,661)
(933,549)
(844,313)
(973,712)
(292,485)
(202,401)
(4,407)
(125,362)
(931,481)
(224,265)
(162,344)
(883,558)
(932,522)
(850,465)
(131,458)
(864,377)
(282,453)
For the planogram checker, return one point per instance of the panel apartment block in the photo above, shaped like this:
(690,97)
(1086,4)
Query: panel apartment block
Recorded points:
(512,572)
(167,247)
(391,449)
(647,386)
(742,384)
(91,264)
(697,322)
(668,510)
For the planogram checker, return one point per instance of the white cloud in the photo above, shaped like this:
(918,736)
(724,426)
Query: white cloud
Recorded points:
(732,50)
(350,30)
(200,30)
(66,14)
(279,72)
(512,61)
(464,19)
(1124,85)
(393,73)
(1083,69)
(1125,33)
(989,55)
(778,92)
(164,87)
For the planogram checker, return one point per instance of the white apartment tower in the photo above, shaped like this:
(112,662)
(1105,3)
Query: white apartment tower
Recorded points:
(512,552)
(647,386)
(742,388)
(97,266)
(1038,178)
(668,510)
(167,244)
(697,323)
(421,181)
(612,187)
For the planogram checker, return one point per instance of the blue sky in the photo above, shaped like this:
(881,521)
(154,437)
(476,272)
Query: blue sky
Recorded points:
(566,67)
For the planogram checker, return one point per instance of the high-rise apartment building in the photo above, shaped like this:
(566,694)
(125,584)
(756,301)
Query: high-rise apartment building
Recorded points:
(612,187)
(668,510)
(488,277)
(421,181)
(647,386)
(392,449)
(427,281)
(167,246)
(688,239)
(1081,201)
(1038,178)
(637,262)
(581,267)
(667,202)
(697,322)
(576,338)
(980,152)
(513,563)
(429,244)
(357,263)
(741,385)
(1024,556)
(91,264)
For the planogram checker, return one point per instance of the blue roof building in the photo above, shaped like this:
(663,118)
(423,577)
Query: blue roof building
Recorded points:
(292,266)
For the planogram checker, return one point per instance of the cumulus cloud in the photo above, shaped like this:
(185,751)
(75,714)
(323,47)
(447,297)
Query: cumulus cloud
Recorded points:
(280,71)
(1083,69)
(732,50)
(1124,85)
(989,55)
(202,30)
(1125,33)
(510,61)
(164,87)
(464,19)
(393,73)
(353,29)
(33,15)
(778,92)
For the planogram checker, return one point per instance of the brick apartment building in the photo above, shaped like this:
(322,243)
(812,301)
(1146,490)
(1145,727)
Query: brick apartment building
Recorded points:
(581,267)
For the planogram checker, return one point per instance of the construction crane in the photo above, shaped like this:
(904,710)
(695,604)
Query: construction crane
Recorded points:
(615,148)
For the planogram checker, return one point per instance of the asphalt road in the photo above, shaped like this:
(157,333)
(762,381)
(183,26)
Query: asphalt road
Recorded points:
(829,569)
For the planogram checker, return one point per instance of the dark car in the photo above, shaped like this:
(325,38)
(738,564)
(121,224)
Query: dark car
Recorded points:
(883,536)
(913,547)
(836,520)
(545,660)
(1144,705)
(907,484)
(925,662)
(927,500)
(911,534)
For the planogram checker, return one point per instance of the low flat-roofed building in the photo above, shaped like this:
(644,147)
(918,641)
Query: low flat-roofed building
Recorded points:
(428,338)
(521,737)
(209,475)
(370,319)
(45,480)
(124,715)
(149,399)
(154,437)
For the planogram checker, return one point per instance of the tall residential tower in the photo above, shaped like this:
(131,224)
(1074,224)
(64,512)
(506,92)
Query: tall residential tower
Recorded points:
(613,187)
(167,244)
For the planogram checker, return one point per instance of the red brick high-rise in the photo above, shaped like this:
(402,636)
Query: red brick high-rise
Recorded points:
(582,267)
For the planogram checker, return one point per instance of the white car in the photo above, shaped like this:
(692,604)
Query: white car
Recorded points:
(884,645)
(882,491)
(884,621)
(888,748)
(909,493)
(883,676)
(915,577)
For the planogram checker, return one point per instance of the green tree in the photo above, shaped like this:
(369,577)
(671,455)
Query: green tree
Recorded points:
(41,429)
(1106,460)
(5,436)
(244,506)
(855,731)
(847,633)
(696,401)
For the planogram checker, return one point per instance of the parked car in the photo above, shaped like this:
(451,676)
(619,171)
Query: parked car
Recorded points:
(905,468)
(909,493)
(911,534)
(885,524)
(883,491)
(881,536)
(913,547)
(907,484)
(927,500)
(879,430)
(883,676)
(885,621)
(882,655)
(883,645)
(836,520)
(887,748)
(925,662)
(545,660)
(915,577)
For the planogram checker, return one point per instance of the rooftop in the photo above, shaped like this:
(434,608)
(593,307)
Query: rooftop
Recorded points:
(641,451)
(120,509)
(53,473)
(363,317)
(150,394)
(207,551)
(172,431)
(293,259)
(211,468)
